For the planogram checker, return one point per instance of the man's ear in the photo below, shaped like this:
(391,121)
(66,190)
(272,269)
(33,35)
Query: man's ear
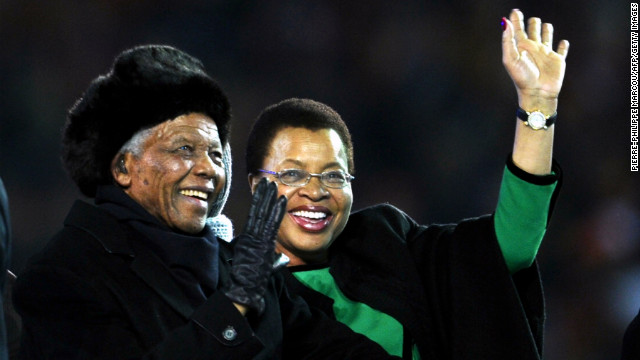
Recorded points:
(120,169)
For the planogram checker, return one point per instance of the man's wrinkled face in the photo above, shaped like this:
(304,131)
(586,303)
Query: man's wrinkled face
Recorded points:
(178,172)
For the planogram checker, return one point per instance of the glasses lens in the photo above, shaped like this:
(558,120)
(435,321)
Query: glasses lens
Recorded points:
(293,177)
(336,179)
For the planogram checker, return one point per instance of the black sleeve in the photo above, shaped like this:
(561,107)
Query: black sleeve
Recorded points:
(310,334)
(65,317)
(5,257)
(5,235)
(479,305)
(631,340)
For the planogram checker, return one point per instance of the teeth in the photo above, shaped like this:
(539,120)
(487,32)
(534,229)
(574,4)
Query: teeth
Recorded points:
(310,214)
(195,193)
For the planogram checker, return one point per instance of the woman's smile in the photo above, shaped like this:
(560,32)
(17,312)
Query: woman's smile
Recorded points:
(311,218)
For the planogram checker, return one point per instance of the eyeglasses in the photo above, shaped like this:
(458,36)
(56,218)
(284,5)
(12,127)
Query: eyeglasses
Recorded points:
(336,179)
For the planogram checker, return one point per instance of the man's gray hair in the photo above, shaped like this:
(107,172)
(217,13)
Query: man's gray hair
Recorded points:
(134,145)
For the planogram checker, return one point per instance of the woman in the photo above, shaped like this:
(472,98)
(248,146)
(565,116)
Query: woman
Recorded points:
(466,290)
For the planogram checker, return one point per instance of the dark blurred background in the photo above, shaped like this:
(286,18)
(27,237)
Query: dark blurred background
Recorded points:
(420,84)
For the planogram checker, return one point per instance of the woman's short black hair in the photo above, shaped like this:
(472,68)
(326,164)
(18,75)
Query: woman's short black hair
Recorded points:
(146,85)
(300,113)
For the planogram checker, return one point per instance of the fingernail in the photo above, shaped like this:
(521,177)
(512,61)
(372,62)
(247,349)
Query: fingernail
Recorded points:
(503,23)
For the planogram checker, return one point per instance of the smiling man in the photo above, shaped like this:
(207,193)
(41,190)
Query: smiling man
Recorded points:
(161,161)
(142,273)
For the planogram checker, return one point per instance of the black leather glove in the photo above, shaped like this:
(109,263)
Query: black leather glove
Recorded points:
(254,250)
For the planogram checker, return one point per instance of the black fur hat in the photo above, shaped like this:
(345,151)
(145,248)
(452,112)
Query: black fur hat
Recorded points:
(146,85)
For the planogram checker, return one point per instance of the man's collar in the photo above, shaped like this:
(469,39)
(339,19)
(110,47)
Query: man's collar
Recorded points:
(101,225)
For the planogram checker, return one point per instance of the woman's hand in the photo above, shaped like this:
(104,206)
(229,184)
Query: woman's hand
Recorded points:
(536,70)
(254,250)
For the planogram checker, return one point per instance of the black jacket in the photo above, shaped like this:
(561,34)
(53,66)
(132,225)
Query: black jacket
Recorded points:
(631,340)
(95,293)
(447,285)
(5,258)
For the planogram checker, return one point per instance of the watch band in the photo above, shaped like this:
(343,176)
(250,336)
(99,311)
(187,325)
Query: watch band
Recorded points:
(536,119)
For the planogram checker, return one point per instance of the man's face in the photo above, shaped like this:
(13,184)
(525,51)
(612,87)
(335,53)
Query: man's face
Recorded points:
(178,173)
(316,214)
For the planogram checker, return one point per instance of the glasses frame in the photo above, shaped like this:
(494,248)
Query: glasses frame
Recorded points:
(349,178)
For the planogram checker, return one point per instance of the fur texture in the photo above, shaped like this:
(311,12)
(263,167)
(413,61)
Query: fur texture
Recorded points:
(147,85)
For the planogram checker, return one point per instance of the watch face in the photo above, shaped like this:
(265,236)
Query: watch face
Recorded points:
(536,120)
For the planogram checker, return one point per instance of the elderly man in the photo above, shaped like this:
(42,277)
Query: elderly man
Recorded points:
(142,274)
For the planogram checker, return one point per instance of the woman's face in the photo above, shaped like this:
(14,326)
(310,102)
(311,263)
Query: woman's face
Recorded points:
(316,214)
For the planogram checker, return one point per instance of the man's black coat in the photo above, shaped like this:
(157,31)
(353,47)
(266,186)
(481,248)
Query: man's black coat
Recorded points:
(95,293)
(5,257)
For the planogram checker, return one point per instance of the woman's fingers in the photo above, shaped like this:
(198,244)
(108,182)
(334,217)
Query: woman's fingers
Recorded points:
(533,29)
(517,19)
(547,34)
(563,48)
